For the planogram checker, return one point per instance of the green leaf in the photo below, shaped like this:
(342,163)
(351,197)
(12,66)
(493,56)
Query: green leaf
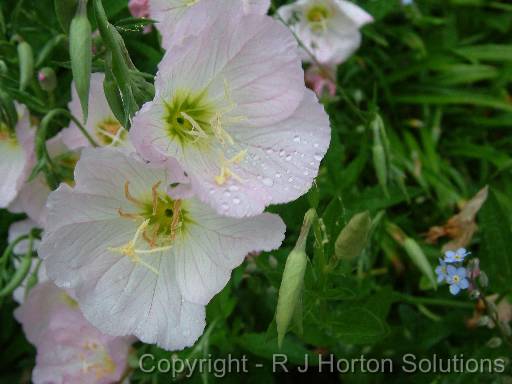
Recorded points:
(65,10)
(26,62)
(497,242)
(290,291)
(488,52)
(353,237)
(419,258)
(455,97)
(80,51)
(258,344)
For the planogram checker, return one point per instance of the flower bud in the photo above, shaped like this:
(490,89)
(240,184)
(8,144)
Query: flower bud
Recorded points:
(47,79)
(495,342)
(483,279)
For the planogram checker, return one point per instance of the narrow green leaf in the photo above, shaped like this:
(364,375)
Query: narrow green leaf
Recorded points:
(419,258)
(80,50)
(488,52)
(26,62)
(353,237)
(112,91)
(290,292)
(497,242)
(65,10)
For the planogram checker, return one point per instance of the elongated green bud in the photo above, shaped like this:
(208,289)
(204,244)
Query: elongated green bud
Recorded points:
(290,292)
(418,257)
(26,61)
(80,51)
(112,92)
(353,237)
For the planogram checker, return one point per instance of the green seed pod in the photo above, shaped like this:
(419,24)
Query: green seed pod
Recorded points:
(353,237)
(290,291)
(47,79)
(26,62)
(112,92)
(80,51)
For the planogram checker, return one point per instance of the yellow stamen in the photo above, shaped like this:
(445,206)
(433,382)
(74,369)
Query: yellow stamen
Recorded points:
(225,170)
(132,253)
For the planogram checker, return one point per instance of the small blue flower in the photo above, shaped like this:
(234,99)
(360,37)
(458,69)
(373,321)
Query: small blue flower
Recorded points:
(441,271)
(457,279)
(407,2)
(457,256)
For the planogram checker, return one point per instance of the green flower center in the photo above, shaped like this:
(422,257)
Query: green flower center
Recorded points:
(189,118)
(6,134)
(167,219)
(317,17)
(108,131)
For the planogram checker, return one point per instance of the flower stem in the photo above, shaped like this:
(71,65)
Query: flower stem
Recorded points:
(432,301)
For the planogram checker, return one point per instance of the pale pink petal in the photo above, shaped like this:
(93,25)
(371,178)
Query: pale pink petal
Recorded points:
(281,163)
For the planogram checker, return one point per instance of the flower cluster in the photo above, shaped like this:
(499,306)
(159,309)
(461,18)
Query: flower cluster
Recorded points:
(452,271)
(148,222)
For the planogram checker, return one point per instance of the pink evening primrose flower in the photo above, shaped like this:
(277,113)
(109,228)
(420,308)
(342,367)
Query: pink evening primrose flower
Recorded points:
(101,124)
(69,349)
(169,13)
(236,116)
(320,82)
(328,28)
(139,261)
(16,155)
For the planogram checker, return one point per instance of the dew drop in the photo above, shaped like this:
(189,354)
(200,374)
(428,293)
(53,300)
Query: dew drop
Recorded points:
(296,139)
(233,188)
(288,158)
(225,207)
(278,175)
(227,194)
(236,201)
(318,157)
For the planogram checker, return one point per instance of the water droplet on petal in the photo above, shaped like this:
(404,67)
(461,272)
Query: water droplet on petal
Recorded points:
(318,157)
(225,207)
(296,139)
(278,175)
(288,158)
(236,200)
(233,188)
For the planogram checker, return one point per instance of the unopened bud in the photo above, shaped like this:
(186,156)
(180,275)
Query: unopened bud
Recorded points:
(3,68)
(483,279)
(495,342)
(47,79)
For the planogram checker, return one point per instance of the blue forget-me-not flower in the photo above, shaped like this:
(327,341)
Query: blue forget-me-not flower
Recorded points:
(456,277)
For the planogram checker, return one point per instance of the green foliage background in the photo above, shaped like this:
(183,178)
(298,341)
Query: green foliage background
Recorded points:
(438,73)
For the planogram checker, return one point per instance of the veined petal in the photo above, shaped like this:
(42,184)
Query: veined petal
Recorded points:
(280,164)
(218,244)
